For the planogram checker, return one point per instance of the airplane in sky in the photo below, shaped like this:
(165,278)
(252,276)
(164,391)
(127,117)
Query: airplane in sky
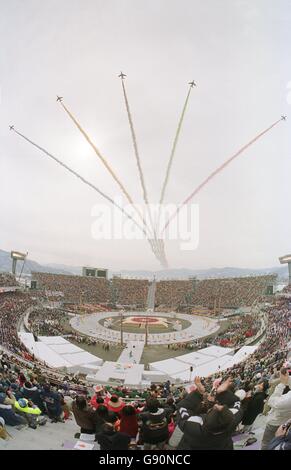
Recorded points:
(192,84)
(122,75)
(59,98)
(283,118)
(11,128)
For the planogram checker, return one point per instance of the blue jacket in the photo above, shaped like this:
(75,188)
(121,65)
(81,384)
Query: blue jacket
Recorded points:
(52,401)
(8,414)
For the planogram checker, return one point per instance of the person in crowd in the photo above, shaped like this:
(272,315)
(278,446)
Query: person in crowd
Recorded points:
(53,403)
(98,397)
(282,439)
(115,404)
(30,412)
(110,439)
(103,415)
(154,423)
(32,393)
(212,431)
(129,421)
(255,404)
(8,414)
(84,415)
(280,403)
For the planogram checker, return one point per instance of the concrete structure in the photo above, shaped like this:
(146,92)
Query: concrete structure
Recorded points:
(17,256)
(58,353)
(287,260)
(90,325)
(204,362)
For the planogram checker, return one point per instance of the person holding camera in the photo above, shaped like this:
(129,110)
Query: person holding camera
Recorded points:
(280,403)
(282,439)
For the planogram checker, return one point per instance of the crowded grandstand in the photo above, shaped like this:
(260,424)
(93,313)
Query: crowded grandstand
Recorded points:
(239,403)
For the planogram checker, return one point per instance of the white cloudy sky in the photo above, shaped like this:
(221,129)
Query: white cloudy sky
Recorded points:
(238,51)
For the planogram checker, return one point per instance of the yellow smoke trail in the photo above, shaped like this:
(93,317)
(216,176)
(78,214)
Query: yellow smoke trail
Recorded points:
(81,178)
(172,154)
(174,147)
(98,153)
(103,160)
(108,167)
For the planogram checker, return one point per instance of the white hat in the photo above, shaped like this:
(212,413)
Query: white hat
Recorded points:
(241,394)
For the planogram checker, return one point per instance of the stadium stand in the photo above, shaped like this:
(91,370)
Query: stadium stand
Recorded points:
(60,410)
(225,292)
(75,289)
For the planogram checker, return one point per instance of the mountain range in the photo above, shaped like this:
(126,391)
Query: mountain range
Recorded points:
(182,273)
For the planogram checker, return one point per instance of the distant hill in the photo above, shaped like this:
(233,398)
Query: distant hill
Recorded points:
(281,271)
(183,273)
(6,263)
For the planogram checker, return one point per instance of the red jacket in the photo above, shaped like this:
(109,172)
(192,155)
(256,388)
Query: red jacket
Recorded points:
(94,404)
(129,426)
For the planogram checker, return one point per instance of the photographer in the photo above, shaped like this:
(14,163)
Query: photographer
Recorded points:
(282,439)
(280,403)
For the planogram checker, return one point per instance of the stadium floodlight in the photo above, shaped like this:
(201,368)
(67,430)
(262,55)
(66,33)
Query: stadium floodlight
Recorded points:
(287,260)
(17,256)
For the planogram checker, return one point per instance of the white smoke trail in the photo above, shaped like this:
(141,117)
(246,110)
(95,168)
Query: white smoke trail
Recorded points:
(101,193)
(156,245)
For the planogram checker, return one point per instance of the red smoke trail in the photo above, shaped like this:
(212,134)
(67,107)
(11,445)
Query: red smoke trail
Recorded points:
(218,170)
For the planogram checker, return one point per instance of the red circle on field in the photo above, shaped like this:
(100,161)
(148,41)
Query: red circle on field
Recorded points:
(144,320)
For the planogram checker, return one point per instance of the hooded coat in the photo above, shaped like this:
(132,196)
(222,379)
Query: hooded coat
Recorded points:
(8,414)
(196,435)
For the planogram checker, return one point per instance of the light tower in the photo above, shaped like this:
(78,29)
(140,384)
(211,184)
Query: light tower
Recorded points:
(287,260)
(16,256)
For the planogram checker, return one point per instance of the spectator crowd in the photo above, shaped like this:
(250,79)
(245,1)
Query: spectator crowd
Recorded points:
(205,414)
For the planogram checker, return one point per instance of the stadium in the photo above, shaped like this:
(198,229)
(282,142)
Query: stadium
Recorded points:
(68,338)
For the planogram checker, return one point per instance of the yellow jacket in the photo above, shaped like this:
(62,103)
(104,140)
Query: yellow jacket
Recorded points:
(27,409)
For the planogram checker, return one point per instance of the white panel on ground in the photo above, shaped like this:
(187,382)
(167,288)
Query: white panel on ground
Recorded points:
(51,358)
(83,357)
(240,355)
(112,371)
(27,339)
(57,352)
(194,358)
(155,376)
(52,339)
(132,352)
(202,371)
(64,348)
(169,366)
(215,351)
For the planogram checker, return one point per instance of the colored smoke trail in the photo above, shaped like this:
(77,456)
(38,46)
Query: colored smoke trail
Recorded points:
(172,154)
(173,151)
(157,246)
(108,198)
(219,169)
(92,186)
(104,161)
(134,141)
(98,153)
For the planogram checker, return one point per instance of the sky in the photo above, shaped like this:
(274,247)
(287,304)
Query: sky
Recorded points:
(237,51)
